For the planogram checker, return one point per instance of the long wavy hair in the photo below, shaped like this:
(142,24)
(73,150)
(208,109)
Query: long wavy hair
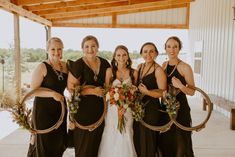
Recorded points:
(114,63)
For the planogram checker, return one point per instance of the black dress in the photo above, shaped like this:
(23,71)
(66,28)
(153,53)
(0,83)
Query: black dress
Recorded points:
(86,142)
(177,142)
(144,138)
(46,112)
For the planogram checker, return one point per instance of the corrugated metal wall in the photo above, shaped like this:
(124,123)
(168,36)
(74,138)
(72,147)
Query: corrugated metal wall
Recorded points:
(211,22)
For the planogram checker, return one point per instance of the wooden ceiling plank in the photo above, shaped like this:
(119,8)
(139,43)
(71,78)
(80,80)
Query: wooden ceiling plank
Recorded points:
(79,8)
(22,12)
(118,9)
(70,4)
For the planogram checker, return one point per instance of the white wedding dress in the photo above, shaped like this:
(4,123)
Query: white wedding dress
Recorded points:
(114,143)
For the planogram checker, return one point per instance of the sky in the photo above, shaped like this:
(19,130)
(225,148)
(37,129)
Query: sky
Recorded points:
(33,35)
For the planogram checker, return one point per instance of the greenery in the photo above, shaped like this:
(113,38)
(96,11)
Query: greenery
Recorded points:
(31,57)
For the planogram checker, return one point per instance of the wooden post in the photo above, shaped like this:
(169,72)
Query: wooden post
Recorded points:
(48,36)
(232,119)
(17,56)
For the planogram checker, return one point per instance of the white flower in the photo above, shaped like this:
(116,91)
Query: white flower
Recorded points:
(125,106)
(116,96)
(107,96)
(116,90)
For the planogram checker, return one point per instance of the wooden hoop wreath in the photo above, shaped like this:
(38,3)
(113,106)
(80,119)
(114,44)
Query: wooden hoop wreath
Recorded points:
(167,126)
(95,125)
(56,125)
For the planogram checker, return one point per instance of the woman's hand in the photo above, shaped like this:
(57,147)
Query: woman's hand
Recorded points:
(176,83)
(99,91)
(58,97)
(143,89)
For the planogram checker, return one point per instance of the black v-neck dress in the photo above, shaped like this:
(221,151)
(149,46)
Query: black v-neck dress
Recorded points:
(87,143)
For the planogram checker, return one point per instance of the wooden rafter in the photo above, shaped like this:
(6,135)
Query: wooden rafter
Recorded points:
(119,9)
(33,2)
(81,7)
(69,4)
(22,12)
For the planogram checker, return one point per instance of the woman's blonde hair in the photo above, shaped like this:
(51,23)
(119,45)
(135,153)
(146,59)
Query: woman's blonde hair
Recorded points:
(56,39)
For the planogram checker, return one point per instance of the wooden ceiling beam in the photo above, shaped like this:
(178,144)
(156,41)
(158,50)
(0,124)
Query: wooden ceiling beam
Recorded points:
(67,4)
(22,12)
(34,2)
(94,15)
(79,8)
(120,9)
(166,26)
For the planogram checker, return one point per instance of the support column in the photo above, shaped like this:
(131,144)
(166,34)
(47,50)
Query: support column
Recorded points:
(17,56)
(48,35)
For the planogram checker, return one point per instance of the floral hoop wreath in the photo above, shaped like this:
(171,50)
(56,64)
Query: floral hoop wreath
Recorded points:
(95,125)
(30,128)
(167,126)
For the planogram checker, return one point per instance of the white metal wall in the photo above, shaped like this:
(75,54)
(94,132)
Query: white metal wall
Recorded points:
(211,21)
(167,16)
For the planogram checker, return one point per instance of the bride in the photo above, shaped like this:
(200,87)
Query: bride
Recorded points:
(114,143)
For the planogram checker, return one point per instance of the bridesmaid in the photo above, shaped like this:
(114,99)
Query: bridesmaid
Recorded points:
(51,74)
(88,70)
(151,76)
(176,142)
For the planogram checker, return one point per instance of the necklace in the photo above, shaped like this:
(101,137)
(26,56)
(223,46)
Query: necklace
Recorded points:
(59,75)
(142,70)
(95,71)
(173,69)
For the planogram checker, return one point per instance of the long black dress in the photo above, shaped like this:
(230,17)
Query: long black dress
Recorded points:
(87,143)
(46,112)
(176,142)
(144,138)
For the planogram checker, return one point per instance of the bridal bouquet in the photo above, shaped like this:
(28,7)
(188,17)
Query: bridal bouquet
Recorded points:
(124,96)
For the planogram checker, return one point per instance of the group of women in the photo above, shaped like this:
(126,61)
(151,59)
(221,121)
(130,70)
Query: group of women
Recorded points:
(105,140)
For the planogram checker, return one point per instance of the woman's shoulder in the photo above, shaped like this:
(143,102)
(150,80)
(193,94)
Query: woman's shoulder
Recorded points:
(184,67)
(158,68)
(164,64)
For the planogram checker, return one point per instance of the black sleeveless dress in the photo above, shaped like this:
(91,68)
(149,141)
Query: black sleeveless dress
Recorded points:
(87,143)
(176,139)
(46,112)
(144,138)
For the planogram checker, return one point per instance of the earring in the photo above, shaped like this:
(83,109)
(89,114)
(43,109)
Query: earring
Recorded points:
(116,64)
(127,63)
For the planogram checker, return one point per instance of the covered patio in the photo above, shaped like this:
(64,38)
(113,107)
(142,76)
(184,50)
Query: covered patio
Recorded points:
(211,27)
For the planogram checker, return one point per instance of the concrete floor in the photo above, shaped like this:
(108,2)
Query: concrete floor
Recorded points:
(216,140)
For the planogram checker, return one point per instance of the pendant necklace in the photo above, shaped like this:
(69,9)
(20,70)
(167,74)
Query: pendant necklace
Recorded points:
(96,71)
(142,70)
(59,75)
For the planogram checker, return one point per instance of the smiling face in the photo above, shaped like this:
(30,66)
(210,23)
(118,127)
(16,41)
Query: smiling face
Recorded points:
(90,48)
(149,53)
(55,50)
(121,56)
(172,48)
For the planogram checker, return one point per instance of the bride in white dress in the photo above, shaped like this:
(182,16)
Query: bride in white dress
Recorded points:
(114,143)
